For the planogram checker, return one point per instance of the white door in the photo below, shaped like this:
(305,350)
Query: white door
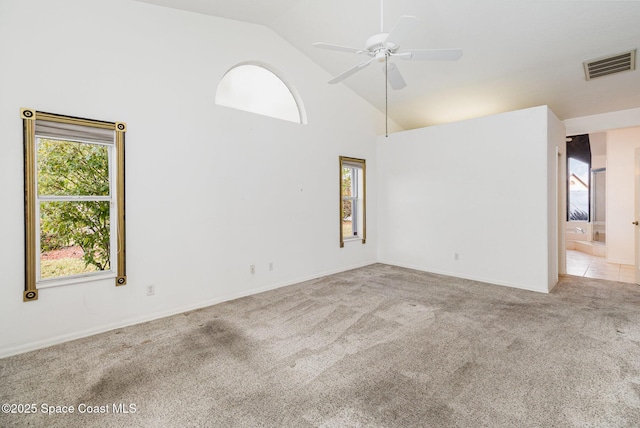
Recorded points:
(637,214)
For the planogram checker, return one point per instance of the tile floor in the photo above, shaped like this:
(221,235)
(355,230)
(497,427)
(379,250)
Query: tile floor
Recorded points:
(582,264)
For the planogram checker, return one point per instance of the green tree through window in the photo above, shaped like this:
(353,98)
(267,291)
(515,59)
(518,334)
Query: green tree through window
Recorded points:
(74,193)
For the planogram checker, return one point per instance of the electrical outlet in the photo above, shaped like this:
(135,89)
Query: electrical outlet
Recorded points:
(151,290)
(270,266)
(456,256)
(252,268)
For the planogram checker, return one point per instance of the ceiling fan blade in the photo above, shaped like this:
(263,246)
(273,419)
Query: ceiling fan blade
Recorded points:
(401,30)
(394,77)
(337,48)
(349,72)
(430,54)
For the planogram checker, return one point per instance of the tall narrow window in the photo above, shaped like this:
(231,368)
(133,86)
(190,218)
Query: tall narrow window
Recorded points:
(256,89)
(578,178)
(352,199)
(74,194)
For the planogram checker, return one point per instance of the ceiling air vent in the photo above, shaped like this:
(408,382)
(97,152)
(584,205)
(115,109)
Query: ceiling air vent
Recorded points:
(610,65)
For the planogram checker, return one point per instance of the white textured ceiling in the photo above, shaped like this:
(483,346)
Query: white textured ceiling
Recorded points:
(517,53)
(254,11)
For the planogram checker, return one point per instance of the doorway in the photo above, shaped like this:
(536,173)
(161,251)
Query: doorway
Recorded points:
(612,187)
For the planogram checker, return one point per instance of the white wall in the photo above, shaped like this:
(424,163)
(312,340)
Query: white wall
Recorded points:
(621,145)
(480,188)
(598,143)
(210,190)
(603,122)
(556,198)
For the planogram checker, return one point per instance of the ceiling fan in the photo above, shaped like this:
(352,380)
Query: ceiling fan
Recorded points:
(382,46)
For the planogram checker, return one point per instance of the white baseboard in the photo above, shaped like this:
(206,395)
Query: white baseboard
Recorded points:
(470,277)
(32,346)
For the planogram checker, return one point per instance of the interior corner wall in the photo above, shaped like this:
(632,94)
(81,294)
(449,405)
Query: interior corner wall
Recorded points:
(556,197)
(210,190)
(478,189)
(621,145)
(562,201)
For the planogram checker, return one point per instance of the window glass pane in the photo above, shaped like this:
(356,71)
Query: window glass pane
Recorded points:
(74,237)
(578,190)
(346,181)
(72,169)
(347,229)
(257,90)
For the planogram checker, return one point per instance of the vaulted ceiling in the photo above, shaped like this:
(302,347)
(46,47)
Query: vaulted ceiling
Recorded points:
(517,53)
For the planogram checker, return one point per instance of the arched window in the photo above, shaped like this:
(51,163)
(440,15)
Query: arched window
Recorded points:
(257,89)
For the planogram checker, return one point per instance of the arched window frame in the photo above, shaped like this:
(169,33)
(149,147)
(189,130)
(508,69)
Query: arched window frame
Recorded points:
(295,95)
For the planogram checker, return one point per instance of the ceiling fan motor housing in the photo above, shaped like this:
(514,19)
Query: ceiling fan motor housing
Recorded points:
(378,47)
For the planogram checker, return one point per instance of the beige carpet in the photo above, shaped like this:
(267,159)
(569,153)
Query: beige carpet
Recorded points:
(379,346)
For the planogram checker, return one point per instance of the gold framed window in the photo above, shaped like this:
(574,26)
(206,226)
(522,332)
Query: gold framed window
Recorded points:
(353,200)
(74,200)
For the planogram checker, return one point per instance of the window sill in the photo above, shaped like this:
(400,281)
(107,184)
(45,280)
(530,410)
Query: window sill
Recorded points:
(77,279)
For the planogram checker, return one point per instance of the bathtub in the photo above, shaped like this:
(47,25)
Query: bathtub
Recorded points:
(578,237)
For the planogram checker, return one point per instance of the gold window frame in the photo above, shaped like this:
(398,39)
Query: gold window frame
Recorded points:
(29,117)
(362,164)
